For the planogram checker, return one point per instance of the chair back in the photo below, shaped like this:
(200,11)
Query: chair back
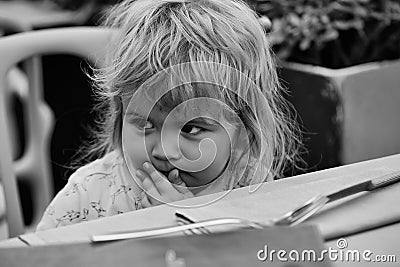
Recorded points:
(34,164)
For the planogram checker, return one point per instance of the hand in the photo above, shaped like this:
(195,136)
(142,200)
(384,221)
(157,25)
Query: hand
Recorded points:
(158,190)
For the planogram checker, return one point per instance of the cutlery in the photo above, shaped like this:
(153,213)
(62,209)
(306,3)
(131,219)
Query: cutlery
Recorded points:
(294,217)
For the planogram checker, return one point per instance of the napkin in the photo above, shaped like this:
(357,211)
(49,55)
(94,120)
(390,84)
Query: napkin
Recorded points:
(353,214)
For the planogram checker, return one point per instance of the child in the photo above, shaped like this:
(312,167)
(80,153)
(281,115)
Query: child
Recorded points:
(191,104)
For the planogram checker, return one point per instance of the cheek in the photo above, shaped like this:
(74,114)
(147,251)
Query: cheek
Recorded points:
(223,146)
(189,149)
(134,147)
(223,155)
(224,142)
(200,154)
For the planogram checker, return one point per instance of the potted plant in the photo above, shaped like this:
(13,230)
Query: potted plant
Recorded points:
(339,61)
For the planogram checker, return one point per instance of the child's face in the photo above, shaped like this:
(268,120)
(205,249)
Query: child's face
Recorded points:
(197,143)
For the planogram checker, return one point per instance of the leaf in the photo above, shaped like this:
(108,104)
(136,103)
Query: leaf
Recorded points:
(354,26)
(328,36)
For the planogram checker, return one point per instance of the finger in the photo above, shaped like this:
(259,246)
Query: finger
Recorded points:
(160,181)
(153,195)
(145,201)
(140,174)
(173,176)
(177,182)
(148,186)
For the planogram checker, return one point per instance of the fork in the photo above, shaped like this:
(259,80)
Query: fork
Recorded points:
(294,217)
(180,228)
(315,204)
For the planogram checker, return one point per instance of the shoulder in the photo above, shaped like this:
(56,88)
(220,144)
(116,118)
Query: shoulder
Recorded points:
(85,195)
(100,168)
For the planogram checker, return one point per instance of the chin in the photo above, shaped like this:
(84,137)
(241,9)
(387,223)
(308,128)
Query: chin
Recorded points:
(194,181)
(190,180)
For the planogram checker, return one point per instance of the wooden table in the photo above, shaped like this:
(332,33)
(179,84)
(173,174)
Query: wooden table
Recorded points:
(375,215)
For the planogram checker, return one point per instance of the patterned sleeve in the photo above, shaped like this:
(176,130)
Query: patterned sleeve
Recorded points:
(69,206)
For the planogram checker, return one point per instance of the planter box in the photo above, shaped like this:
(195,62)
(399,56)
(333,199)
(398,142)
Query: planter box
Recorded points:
(348,115)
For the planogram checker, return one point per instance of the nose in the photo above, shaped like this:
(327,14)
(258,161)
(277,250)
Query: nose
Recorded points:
(166,148)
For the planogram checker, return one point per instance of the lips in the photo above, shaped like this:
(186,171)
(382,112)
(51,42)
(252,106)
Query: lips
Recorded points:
(164,167)
(164,173)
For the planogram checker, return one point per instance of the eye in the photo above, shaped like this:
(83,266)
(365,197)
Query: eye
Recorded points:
(141,123)
(148,125)
(192,129)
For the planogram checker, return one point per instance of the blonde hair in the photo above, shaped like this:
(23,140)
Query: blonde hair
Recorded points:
(153,35)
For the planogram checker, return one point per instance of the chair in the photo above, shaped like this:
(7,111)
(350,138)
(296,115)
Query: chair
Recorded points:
(34,165)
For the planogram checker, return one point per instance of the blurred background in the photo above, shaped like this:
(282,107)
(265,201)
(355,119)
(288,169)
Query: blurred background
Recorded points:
(337,59)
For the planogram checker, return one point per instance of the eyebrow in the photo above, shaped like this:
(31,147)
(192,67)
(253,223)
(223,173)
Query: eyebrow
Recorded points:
(204,120)
(130,114)
(133,113)
(199,120)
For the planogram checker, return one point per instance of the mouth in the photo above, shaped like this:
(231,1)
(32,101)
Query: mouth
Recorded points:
(184,176)
(165,173)
(163,168)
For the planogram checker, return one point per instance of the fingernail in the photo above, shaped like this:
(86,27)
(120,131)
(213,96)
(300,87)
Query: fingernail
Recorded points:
(139,174)
(173,174)
(176,173)
(146,165)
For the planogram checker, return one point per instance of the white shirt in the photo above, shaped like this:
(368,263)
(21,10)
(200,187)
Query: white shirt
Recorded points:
(103,188)
(95,190)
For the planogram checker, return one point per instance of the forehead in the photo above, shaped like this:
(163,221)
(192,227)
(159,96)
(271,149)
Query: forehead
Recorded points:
(192,98)
(186,110)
